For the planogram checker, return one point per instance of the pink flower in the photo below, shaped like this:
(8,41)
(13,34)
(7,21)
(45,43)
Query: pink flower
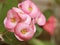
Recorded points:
(41,19)
(11,20)
(24,31)
(23,16)
(50,25)
(29,8)
(14,17)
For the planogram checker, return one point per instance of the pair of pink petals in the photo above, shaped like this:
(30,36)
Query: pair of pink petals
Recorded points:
(50,25)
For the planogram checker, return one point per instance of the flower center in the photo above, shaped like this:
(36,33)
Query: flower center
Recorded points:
(30,8)
(24,31)
(13,20)
(21,13)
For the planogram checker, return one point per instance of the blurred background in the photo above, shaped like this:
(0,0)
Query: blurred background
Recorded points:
(48,7)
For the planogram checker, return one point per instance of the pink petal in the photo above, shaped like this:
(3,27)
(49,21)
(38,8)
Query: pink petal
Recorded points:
(28,19)
(18,10)
(25,6)
(12,14)
(20,13)
(35,11)
(34,28)
(50,25)
(18,38)
(10,24)
(33,25)
(52,19)
(5,21)
(41,20)
(49,28)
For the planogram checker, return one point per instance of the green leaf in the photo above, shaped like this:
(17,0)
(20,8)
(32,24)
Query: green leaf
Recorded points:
(48,13)
(8,4)
(11,39)
(38,30)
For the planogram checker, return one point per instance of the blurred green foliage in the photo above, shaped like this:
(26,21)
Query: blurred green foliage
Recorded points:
(1,4)
(1,23)
(58,1)
(4,7)
(36,42)
(48,13)
(10,39)
(38,30)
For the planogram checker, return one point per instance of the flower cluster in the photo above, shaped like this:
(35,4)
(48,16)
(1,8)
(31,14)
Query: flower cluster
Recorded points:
(21,21)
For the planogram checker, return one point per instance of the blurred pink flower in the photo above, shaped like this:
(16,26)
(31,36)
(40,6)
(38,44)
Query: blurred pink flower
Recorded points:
(50,25)
(23,16)
(29,8)
(41,19)
(24,31)
(11,20)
